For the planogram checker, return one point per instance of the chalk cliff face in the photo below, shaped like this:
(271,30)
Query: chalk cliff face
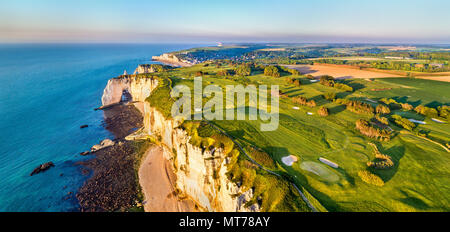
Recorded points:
(144,68)
(138,88)
(201,175)
(172,59)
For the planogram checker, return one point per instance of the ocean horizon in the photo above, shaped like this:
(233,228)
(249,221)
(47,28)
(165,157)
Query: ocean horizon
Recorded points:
(47,92)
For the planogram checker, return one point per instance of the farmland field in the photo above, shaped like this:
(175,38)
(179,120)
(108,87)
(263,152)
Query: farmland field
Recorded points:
(339,72)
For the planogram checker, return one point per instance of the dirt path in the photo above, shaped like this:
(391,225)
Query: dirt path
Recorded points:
(157,180)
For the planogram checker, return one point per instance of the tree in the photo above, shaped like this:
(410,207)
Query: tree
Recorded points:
(330,96)
(272,71)
(370,178)
(383,109)
(323,111)
(243,70)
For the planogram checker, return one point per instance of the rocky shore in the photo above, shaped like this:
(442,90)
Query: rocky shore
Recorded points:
(112,185)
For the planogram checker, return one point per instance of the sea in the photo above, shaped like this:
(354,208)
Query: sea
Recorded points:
(47,91)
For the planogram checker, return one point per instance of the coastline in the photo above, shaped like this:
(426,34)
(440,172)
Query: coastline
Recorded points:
(172,60)
(112,184)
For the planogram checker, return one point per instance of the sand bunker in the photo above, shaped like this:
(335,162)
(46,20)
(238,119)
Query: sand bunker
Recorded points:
(437,120)
(289,160)
(417,121)
(296,108)
(329,163)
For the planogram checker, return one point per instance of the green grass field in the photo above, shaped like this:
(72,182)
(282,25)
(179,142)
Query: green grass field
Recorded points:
(417,182)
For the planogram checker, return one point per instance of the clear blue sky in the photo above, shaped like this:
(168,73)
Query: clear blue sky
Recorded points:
(200,21)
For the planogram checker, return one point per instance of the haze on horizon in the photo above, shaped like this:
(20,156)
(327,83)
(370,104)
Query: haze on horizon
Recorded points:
(202,21)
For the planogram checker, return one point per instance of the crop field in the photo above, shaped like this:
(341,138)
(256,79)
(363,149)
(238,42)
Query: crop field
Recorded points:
(339,72)
(418,180)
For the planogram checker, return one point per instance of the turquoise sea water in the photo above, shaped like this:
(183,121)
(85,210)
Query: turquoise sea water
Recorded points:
(46,93)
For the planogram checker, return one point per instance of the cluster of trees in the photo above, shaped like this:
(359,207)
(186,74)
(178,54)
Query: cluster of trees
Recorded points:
(387,65)
(243,70)
(382,120)
(382,109)
(294,81)
(426,111)
(403,122)
(327,80)
(444,112)
(441,111)
(356,106)
(224,73)
(303,101)
(272,71)
(323,111)
(330,82)
(370,131)
(383,161)
(418,55)
(370,178)
(394,105)
(293,72)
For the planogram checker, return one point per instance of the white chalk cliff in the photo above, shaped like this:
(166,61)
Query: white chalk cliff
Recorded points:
(194,168)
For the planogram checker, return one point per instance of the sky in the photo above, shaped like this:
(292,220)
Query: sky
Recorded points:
(208,21)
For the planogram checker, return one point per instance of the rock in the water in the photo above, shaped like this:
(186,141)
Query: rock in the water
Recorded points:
(83,126)
(85,153)
(42,168)
(104,144)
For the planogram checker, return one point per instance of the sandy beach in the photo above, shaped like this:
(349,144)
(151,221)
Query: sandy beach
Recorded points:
(157,181)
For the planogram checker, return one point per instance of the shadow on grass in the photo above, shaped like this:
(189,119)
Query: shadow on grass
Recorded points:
(396,153)
(337,109)
(353,84)
(413,201)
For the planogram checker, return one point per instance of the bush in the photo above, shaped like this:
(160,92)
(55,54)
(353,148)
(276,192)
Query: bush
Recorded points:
(344,87)
(261,157)
(383,161)
(311,103)
(368,130)
(294,81)
(330,96)
(444,112)
(370,178)
(403,122)
(382,109)
(304,102)
(393,105)
(224,73)
(426,111)
(407,106)
(222,141)
(359,107)
(327,80)
(323,111)
(300,100)
(382,120)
